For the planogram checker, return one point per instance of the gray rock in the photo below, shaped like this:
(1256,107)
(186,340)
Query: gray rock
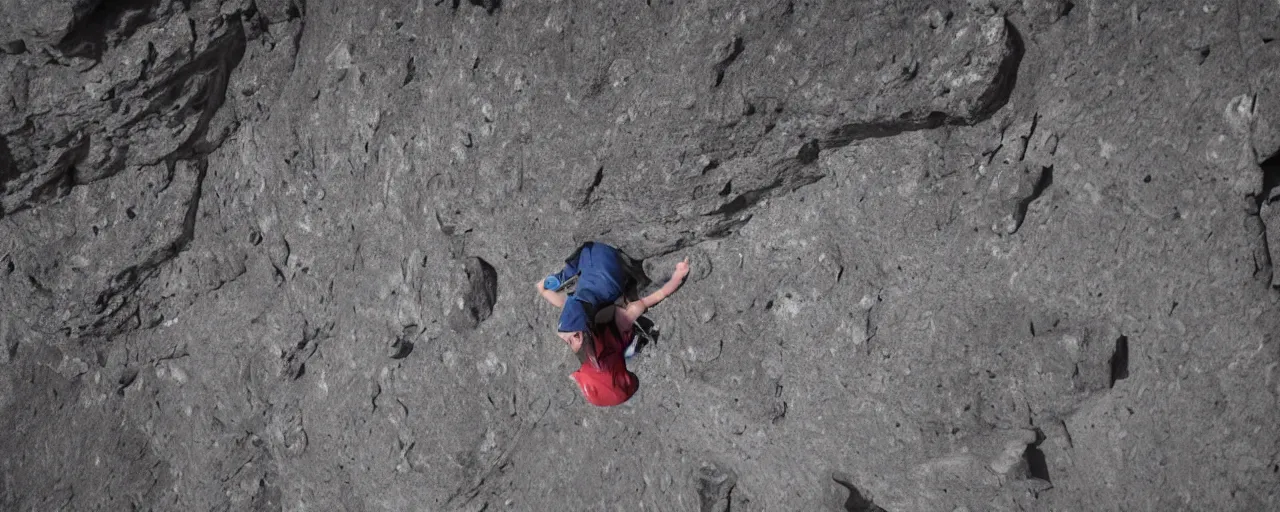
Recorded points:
(478,295)
(254,191)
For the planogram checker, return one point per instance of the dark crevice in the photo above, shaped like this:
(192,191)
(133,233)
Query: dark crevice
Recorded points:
(715,488)
(726,228)
(294,359)
(108,24)
(490,6)
(728,188)
(214,93)
(1067,7)
(1120,361)
(296,9)
(790,176)
(127,378)
(1037,466)
(723,65)
(856,502)
(1262,263)
(809,152)
(410,71)
(479,297)
(1042,184)
(403,345)
(595,183)
(1026,139)
(1203,54)
(1270,180)
(8,168)
(740,203)
(849,133)
(15,47)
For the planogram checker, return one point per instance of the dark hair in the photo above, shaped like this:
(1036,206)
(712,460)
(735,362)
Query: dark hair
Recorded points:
(587,351)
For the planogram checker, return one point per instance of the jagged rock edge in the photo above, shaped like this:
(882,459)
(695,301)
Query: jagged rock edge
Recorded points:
(789,172)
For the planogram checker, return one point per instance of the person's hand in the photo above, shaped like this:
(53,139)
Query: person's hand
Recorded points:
(682,269)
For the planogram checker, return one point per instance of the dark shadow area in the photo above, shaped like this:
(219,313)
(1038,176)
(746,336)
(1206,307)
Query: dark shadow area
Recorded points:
(856,502)
(1042,184)
(478,299)
(645,333)
(108,24)
(1006,80)
(595,183)
(8,168)
(790,176)
(489,6)
(715,488)
(1037,466)
(907,122)
(724,64)
(1270,180)
(127,377)
(403,345)
(809,152)
(1120,361)
(15,47)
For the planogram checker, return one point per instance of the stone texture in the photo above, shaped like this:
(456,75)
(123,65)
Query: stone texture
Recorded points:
(969,255)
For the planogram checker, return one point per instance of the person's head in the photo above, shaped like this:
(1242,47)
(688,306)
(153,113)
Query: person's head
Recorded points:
(579,341)
(575,329)
(582,343)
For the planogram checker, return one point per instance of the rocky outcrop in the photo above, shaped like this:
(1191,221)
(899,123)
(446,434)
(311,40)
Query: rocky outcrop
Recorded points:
(812,90)
(134,90)
(129,85)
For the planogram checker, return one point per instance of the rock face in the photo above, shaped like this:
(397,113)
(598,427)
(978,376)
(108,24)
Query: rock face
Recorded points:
(135,90)
(964,255)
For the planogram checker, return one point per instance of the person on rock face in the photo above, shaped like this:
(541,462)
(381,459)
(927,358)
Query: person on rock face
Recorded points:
(604,274)
(601,346)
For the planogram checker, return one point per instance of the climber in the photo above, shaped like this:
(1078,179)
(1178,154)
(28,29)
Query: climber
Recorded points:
(601,347)
(603,274)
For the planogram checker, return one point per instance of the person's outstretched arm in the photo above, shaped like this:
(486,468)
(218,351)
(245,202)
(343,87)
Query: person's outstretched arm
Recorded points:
(625,317)
(555,298)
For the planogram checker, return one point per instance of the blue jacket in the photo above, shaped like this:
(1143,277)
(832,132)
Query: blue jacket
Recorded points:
(601,280)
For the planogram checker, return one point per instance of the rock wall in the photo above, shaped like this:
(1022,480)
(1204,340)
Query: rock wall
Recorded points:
(982,255)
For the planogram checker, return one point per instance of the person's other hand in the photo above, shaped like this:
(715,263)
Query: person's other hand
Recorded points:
(682,269)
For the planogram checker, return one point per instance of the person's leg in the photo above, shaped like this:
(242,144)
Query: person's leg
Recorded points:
(605,314)
(637,281)
(571,264)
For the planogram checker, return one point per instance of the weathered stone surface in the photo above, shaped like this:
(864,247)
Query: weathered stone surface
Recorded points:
(83,258)
(1270,215)
(44,21)
(476,297)
(974,255)
(140,89)
(840,85)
